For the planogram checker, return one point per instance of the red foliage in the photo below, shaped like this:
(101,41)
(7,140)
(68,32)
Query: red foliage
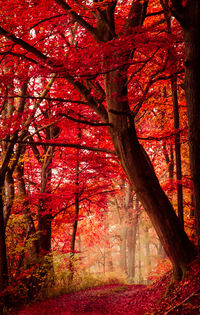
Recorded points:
(183,298)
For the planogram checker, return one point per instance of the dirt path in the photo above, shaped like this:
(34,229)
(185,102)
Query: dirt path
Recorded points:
(183,298)
(111,299)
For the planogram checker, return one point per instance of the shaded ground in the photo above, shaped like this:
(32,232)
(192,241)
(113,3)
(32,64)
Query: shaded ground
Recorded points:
(109,299)
(183,298)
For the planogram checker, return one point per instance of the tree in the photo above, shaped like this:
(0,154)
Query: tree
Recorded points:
(187,13)
(117,114)
(9,160)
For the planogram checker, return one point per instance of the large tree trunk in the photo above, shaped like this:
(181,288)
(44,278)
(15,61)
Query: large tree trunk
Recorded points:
(191,30)
(141,174)
(132,155)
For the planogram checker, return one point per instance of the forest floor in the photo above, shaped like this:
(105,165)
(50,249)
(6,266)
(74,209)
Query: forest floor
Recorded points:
(182,298)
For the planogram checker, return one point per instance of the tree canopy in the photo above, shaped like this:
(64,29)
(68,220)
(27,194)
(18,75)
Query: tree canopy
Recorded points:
(99,102)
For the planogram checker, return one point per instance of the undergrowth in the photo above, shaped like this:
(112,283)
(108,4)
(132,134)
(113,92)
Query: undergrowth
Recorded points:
(183,297)
(19,293)
(83,280)
(111,293)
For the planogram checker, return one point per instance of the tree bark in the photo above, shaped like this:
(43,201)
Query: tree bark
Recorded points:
(140,277)
(44,212)
(131,245)
(3,256)
(191,29)
(141,174)
(33,248)
(139,169)
(177,151)
(169,157)
(8,196)
(123,236)
(188,16)
(132,155)
(75,223)
(147,250)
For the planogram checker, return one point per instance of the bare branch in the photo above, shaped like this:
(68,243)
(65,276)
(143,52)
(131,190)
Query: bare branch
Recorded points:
(56,99)
(86,122)
(92,101)
(171,135)
(23,44)
(155,13)
(47,19)
(17,55)
(78,18)
(65,145)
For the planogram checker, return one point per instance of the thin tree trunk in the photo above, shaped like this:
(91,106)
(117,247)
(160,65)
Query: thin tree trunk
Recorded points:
(44,207)
(177,151)
(169,157)
(75,224)
(131,246)
(46,269)
(139,255)
(161,251)
(109,248)
(45,212)
(3,256)
(123,258)
(109,258)
(33,248)
(8,197)
(188,16)
(132,212)
(147,250)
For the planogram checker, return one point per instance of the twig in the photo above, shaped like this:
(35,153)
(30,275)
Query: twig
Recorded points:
(176,306)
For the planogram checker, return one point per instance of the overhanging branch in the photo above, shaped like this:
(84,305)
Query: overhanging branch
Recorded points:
(92,101)
(171,135)
(77,18)
(65,145)
(86,122)
(23,44)
(53,99)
